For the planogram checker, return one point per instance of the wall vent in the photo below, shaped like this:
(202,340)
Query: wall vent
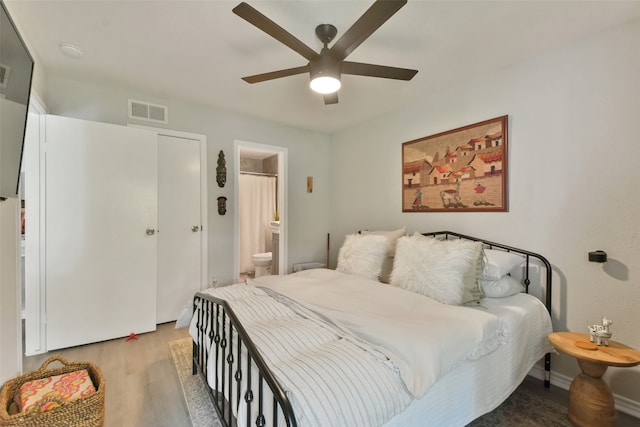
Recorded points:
(140,110)
(5,70)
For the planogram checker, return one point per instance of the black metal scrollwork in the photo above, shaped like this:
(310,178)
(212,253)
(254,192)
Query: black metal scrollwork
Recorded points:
(219,325)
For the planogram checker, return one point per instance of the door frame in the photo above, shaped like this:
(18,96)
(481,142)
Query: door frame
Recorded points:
(281,152)
(204,255)
(34,186)
(34,337)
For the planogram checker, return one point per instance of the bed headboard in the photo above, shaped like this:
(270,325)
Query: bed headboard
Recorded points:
(527,256)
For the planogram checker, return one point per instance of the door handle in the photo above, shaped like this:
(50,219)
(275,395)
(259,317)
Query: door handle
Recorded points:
(150,232)
(195,228)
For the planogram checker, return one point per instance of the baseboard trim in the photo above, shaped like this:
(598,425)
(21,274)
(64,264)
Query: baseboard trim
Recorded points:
(623,404)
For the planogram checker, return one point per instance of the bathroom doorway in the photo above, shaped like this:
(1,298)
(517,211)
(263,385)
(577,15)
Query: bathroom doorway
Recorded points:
(260,207)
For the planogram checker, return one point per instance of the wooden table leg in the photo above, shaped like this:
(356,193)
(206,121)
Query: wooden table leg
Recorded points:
(590,399)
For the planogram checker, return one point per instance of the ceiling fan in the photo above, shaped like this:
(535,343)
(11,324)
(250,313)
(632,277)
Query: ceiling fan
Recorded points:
(326,67)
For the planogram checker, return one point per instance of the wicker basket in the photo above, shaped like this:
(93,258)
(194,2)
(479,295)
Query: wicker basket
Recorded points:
(87,411)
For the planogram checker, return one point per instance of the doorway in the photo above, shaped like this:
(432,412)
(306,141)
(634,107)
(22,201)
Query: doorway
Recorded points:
(262,168)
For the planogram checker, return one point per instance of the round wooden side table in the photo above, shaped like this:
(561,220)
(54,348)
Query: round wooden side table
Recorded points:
(590,399)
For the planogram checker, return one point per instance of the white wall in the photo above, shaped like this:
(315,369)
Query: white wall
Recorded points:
(573,157)
(308,155)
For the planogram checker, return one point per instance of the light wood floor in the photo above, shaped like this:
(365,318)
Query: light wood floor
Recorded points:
(142,387)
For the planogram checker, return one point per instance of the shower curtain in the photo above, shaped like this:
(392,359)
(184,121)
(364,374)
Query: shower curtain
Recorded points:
(257,206)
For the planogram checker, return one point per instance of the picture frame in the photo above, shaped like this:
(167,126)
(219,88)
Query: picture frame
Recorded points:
(460,170)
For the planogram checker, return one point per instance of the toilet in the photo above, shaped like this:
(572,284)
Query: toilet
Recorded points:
(262,262)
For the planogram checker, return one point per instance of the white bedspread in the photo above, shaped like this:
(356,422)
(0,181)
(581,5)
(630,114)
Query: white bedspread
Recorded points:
(386,356)
(423,338)
(352,351)
(476,387)
(330,378)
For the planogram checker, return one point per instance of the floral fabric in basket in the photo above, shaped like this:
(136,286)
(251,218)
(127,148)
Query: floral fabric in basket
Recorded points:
(67,387)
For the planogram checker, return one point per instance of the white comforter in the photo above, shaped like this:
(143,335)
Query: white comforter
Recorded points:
(352,351)
(422,337)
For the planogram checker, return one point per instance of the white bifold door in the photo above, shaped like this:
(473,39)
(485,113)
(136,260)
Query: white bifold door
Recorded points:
(101,222)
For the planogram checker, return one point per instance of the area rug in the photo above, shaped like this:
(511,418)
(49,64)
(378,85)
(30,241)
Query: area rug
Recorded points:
(525,408)
(522,409)
(199,404)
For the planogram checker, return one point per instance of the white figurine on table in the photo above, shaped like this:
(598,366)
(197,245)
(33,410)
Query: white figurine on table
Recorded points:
(600,334)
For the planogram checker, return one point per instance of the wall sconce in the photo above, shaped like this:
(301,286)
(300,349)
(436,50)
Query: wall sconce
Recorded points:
(598,256)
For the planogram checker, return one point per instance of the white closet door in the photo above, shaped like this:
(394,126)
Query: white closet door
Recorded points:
(101,198)
(179,225)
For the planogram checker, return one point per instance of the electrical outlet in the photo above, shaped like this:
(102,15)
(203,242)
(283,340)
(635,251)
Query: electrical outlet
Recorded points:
(214,281)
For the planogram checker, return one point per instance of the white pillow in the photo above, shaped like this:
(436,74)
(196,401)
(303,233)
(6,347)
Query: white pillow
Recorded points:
(499,263)
(392,235)
(503,287)
(433,268)
(362,255)
(472,289)
(387,264)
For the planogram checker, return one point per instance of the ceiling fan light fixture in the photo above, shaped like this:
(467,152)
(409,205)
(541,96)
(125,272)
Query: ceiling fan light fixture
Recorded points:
(325,84)
(324,74)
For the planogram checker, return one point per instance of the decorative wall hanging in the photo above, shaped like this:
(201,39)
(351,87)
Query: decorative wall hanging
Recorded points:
(222,205)
(461,170)
(221,170)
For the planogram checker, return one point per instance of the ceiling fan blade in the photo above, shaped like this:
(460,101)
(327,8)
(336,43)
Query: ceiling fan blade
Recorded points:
(276,74)
(251,15)
(369,22)
(370,70)
(331,98)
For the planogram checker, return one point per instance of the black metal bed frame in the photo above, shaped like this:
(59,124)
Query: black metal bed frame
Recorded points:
(217,323)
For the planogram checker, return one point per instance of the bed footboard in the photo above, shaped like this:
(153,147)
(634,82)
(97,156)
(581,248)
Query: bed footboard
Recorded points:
(527,256)
(224,354)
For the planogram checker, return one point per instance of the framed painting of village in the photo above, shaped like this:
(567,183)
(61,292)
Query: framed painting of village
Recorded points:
(461,170)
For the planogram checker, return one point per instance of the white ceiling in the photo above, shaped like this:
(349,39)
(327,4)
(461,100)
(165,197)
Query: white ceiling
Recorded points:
(198,50)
